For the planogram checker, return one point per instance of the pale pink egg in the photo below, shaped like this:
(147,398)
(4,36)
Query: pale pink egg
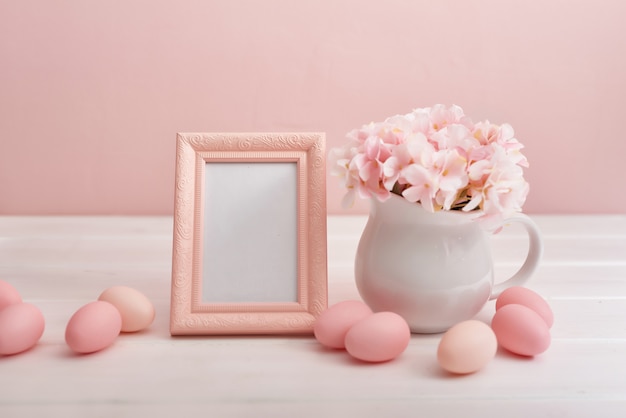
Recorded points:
(21,326)
(521,330)
(524,296)
(136,309)
(93,327)
(331,326)
(8,295)
(467,347)
(379,337)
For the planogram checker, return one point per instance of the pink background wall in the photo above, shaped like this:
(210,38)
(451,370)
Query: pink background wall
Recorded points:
(92,93)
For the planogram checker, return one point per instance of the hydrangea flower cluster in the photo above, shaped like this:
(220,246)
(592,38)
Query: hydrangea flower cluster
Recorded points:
(438,157)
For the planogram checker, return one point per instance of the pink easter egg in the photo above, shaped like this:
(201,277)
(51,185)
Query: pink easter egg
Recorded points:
(379,337)
(8,295)
(21,326)
(467,347)
(331,326)
(93,327)
(524,296)
(521,330)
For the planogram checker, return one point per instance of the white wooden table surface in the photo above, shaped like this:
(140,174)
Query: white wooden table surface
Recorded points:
(61,263)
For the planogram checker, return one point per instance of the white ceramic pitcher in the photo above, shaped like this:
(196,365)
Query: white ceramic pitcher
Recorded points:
(433,269)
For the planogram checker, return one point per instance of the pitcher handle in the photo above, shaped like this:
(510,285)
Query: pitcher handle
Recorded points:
(535,250)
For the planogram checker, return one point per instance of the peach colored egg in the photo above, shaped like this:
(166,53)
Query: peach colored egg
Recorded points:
(93,327)
(136,309)
(21,326)
(331,326)
(379,337)
(8,295)
(521,330)
(524,296)
(467,347)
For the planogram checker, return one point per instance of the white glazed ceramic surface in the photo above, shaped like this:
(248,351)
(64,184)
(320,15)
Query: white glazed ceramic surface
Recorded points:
(433,269)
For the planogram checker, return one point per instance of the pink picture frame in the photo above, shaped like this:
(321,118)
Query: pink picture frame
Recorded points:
(249,242)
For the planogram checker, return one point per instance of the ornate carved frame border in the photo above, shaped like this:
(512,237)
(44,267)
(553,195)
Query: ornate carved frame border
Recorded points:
(189,315)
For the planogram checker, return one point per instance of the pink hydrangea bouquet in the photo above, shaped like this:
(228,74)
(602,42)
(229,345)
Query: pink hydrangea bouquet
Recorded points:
(438,157)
